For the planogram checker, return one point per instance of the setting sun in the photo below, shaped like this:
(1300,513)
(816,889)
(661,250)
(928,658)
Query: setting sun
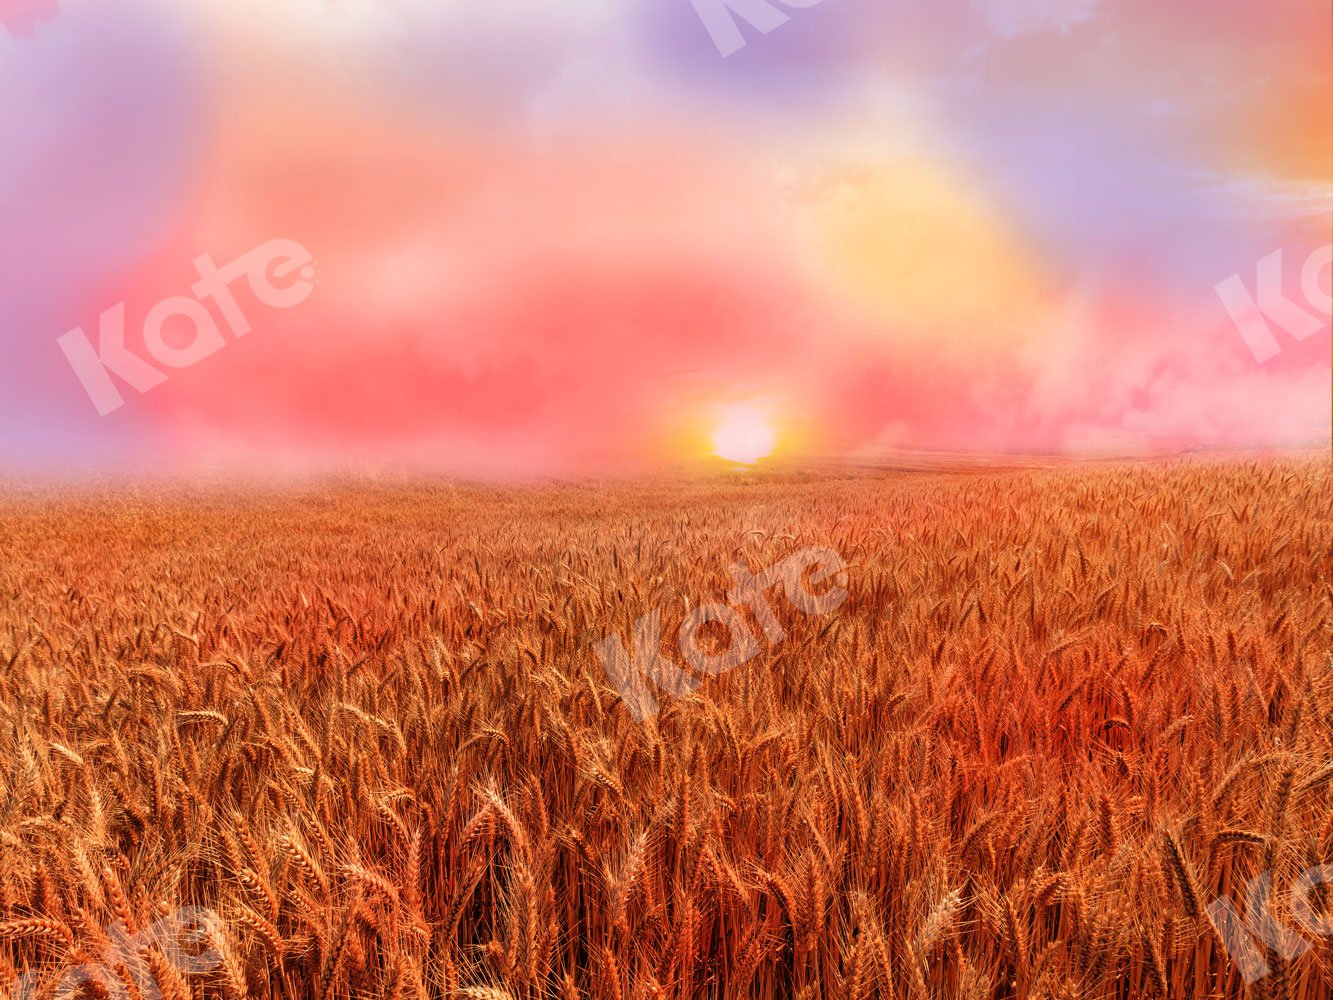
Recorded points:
(743,434)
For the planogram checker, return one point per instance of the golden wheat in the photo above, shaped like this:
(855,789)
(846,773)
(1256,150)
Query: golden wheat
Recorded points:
(1061,711)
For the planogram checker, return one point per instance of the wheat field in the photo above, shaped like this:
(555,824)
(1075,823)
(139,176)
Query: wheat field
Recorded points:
(360,732)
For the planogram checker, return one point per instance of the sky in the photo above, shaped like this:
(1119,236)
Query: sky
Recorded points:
(540,238)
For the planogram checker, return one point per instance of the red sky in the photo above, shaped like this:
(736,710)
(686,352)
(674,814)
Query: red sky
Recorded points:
(556,241)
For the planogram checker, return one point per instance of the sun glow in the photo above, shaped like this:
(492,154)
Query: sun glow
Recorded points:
(743,434)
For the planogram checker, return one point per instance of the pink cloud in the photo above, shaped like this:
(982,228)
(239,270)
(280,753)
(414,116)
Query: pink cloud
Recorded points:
(519,279)
(21,17)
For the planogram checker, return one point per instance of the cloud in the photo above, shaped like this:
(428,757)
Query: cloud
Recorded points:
(948,225)
(101,121)
(1008,18)
(21,17)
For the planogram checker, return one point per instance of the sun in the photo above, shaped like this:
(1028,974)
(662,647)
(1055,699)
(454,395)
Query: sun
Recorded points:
(743,434)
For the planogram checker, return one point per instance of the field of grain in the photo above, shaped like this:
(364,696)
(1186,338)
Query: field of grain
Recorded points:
(359,732)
